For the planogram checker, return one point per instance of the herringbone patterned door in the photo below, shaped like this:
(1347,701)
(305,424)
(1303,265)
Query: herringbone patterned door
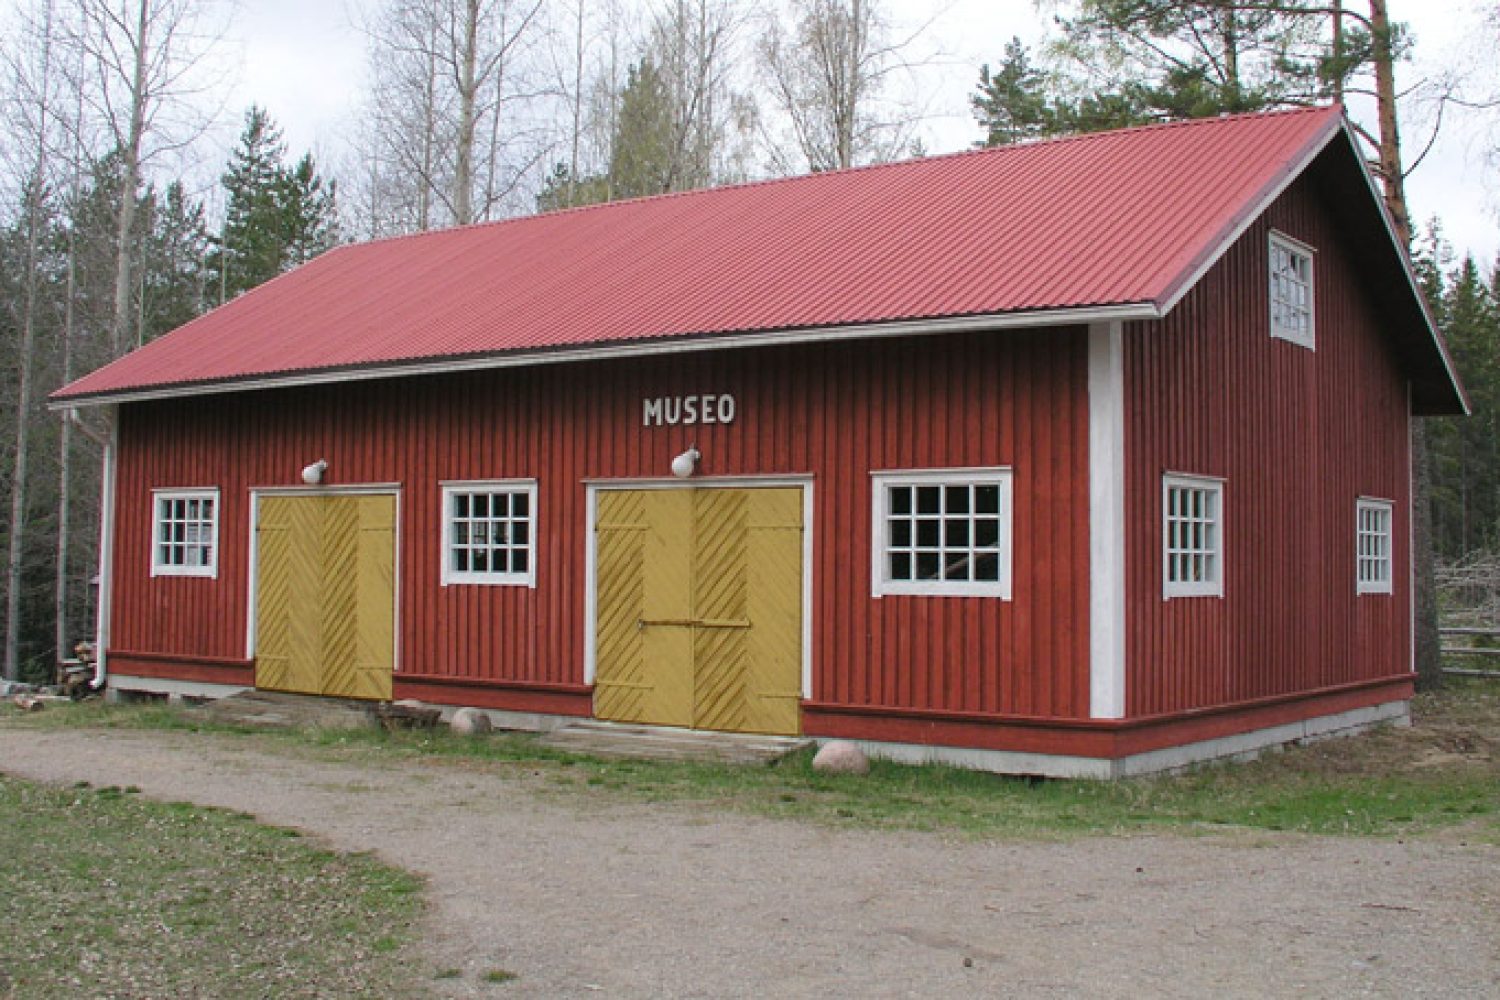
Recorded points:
(699,608)
(325,595)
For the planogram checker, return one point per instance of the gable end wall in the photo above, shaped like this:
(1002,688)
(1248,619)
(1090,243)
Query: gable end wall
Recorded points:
(1297,435)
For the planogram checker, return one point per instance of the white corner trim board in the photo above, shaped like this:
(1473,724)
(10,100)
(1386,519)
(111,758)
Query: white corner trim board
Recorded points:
(1106,520)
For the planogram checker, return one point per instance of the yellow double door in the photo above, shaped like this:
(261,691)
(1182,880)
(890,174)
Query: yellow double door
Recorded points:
(699,608)
(325,607)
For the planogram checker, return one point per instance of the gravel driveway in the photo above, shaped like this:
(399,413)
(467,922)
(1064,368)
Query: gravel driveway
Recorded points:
(584,896)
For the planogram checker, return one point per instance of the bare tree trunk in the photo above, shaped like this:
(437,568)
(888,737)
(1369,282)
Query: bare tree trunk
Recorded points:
(130,177)
(853,54)
(1426,640)
(467,87)
(19,470)
(492,166)
(578,56)
(1389,164)
(1424,562)
(65,445)
(1338,51)
(1232,57)
(429,130)
(36,190)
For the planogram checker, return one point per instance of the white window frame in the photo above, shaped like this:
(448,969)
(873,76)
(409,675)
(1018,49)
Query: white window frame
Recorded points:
(209,567)
(1383,555)
(1280,244)
(1213,586)
(451,576)
(881,583)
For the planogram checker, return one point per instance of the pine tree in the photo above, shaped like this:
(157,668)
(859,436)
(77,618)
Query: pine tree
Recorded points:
(251,243)
(1012,104)
(562,190)
(1201,58)
(309,212)
(1019,102)
(642,151)
(174,272)
(1466,456)
(275,217)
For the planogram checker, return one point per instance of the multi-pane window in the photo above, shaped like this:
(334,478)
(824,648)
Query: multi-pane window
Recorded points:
(1192,537)
(489,533)
(185,533)
(1291,291)
(1372,546)
(942,532)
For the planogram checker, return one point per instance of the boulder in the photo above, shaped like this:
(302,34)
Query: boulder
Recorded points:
(841,757)
(470,722)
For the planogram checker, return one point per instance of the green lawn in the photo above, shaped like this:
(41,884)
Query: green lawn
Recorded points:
(103,894)
(1440,772)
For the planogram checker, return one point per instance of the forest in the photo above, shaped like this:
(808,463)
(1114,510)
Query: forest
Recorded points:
(118,223)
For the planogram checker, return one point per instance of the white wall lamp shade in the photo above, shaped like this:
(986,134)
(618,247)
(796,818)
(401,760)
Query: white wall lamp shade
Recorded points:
(686,464)
(312,474)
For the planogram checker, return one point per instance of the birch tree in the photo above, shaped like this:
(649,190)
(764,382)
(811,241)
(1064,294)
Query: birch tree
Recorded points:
(455,83)
(62,591)
(829,65)
(32,96)
(692,47)
(144,58)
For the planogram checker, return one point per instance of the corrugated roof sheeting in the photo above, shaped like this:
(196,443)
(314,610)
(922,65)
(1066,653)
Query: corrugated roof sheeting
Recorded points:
(1106,219)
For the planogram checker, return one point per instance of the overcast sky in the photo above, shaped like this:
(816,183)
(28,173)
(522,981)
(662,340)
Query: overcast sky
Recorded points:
(304,61)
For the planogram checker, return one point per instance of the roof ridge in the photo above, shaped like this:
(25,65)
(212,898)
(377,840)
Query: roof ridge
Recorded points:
(862,168)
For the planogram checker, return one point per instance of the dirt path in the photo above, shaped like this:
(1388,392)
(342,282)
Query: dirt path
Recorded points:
(584,899)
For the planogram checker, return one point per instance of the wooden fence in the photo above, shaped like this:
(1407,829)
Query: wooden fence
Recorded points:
(1488,653)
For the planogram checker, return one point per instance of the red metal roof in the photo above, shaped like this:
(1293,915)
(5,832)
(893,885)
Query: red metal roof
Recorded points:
(1109,219)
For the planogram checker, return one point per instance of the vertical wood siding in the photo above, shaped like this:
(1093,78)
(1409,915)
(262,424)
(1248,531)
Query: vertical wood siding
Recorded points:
(834,412)
(1297,435)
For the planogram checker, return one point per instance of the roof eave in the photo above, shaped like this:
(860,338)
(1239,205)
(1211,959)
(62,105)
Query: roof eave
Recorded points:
(1071,316)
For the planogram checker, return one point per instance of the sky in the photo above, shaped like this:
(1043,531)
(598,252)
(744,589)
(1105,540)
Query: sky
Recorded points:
(304,61)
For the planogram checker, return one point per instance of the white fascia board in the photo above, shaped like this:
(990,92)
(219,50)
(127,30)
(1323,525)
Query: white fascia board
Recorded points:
(634,349)
(1407,270)
(1247,219)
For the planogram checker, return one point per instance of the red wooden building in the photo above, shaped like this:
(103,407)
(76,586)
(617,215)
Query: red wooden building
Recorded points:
(1083,457)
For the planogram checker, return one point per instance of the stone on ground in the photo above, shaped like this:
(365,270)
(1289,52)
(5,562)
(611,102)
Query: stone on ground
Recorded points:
(470,722)
(841,757)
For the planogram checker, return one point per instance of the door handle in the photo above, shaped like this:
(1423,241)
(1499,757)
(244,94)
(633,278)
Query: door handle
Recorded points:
(642,623)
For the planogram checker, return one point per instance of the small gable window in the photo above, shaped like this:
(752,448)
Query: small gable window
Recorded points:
(185,533)
(1291,290)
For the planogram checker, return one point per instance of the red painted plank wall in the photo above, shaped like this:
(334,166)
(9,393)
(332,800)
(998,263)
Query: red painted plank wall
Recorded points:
(1298,435)
(834,412)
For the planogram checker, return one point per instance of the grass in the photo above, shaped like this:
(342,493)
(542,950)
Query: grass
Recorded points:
(103,894)
(1443,771)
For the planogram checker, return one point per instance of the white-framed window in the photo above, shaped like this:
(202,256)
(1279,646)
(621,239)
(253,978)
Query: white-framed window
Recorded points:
(185,532)
(1372,546)
(1292,290)
(1192,536)
(942,532)
(489,532)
